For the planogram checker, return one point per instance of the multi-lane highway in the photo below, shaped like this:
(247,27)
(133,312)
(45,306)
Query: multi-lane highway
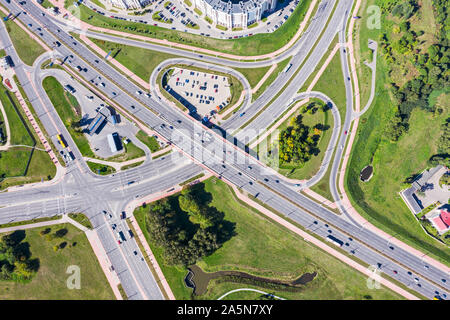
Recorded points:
(217,155)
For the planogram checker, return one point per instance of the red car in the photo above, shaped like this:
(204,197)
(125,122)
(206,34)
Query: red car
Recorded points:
(345,132)
(395,271)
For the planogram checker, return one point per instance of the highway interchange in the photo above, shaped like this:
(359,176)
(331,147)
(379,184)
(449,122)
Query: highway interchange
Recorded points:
(82,191)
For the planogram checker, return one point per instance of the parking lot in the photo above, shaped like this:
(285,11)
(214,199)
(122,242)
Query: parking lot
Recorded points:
(207,92)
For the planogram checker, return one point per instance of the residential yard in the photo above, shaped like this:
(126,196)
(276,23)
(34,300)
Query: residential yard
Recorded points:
(254,45)
(50,281)
(262,247)
(378,199)
(27,49)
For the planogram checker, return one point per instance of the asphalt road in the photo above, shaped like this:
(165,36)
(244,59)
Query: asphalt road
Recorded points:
(244,171)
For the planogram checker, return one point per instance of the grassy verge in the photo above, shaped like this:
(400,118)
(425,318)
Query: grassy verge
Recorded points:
(254,45)
(280,67)
(27,49)
(149,141)
(81,219)
(100,169)
(133,165)
(262,247)
(50,280)
(140,61)
(22,223)
(21,163)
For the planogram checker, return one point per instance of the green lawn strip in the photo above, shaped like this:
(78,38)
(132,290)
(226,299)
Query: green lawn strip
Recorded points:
(50,280)
(131,151)
(331,83)
(19,133)
(320,64)
(149,141)
(67,112)
(133,165)
(100,169)
(98,3)
(140,61)
(280,67)
(81,219)
(208,19)
(27,48)
(255,45)
(253,75)
(22,223)
(192,179)
(122,292)
(218,26)
(197,11)
(188,3)
(322,187)
(378,200)
(162,154)
(262,247)
(39,123)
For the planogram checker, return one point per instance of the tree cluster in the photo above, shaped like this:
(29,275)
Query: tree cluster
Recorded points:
(443,156)
(15,258)
(431,65)
(298,142)
(187,227)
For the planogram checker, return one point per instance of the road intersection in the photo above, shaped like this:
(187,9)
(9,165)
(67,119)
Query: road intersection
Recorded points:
(75,192)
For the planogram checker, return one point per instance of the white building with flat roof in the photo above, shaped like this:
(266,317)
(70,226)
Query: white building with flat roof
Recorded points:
(129,4)
(235,14)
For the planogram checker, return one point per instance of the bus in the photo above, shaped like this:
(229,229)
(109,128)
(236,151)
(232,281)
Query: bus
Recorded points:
(61,141)
(335,241)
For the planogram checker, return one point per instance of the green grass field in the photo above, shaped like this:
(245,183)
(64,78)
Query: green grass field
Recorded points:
(100,169)
(27,49)
(262,247)
(254,45)
(140,61)
(332,84)
(149,141)
(50,280)
(13,162)
(378,199)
